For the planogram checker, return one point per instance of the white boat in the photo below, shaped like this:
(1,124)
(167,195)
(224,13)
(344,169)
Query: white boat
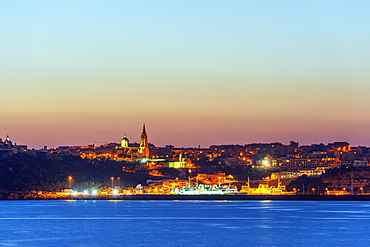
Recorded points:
(204,190)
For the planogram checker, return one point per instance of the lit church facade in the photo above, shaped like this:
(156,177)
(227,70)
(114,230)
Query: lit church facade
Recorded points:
(133,151)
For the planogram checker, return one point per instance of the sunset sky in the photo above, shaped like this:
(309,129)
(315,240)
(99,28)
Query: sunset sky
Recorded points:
(197,72)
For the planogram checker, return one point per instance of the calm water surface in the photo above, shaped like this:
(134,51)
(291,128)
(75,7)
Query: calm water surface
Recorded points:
(184,223)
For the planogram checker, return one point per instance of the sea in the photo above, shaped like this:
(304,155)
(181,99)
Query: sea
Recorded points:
(184,223)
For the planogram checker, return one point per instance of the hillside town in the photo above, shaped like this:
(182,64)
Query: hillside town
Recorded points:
(259,168)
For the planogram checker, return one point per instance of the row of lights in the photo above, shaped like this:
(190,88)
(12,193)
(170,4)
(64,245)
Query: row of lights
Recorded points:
(93,192)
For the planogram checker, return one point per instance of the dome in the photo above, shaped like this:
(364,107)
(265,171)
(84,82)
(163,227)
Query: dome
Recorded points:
(8,141)
(124,142)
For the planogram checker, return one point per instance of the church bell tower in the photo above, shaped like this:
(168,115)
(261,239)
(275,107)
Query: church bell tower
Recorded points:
(144,148)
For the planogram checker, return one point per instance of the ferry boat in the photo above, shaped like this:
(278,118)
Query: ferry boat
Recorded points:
(202,189)
(265,189)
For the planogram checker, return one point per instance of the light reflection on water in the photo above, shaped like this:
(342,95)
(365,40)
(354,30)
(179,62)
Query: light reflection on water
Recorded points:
(184,223)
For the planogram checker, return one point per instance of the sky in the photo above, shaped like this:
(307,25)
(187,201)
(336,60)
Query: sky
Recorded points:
(197,72)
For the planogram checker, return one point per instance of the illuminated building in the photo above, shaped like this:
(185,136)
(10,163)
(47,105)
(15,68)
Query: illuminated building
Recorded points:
(124,142)
(181,163)
(8,146)
(130,153)
(123,151)
(337,192)
(8,141)
(299,163)
(144,148)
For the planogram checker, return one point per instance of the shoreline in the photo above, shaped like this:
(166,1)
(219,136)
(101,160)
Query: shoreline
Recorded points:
(231,197)
(242,197)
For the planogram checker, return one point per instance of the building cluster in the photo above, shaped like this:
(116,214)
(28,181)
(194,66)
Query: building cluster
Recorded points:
(124,151)
(287,162)
(8,148)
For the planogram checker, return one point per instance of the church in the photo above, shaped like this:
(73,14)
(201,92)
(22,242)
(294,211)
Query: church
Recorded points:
(141,151)
(7,145)
(7,142)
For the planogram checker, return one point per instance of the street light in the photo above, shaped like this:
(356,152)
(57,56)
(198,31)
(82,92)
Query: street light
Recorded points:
(70,181)
(112,179)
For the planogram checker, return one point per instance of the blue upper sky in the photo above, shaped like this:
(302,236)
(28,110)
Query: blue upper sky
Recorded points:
(235,71)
